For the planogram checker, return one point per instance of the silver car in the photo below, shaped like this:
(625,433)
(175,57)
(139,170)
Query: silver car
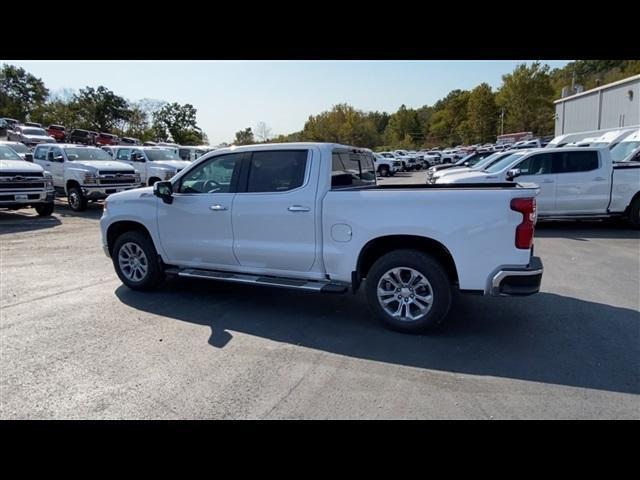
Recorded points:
(29,135)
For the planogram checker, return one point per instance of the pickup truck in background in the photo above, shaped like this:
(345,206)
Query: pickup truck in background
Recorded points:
(307,216)
(30,136)
(155,164)
(23,184)
(84,174)
(386,167)
(468,161)
(575,183)
(477,165)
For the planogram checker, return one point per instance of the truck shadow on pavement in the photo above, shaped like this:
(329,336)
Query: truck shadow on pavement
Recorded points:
(24,221)
(585,230)
(93,211)
(545,338)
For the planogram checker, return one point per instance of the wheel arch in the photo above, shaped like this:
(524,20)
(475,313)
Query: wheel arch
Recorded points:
(122,226)
(379,246)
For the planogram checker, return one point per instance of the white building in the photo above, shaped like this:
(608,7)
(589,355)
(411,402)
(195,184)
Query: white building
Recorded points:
(609,106)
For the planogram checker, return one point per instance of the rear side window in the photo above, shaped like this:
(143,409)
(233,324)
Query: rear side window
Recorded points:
(277,171)
(352,169)
(40,153)
(570,162)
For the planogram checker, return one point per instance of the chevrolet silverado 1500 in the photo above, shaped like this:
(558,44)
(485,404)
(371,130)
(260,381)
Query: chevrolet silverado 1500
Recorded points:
(311,216)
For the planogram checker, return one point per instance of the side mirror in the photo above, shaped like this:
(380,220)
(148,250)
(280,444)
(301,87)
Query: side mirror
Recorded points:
(466,164)
(58,158)
(163,190)
(138,157)
(513,173)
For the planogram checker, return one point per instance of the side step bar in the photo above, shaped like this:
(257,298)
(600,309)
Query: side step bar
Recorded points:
(313,285)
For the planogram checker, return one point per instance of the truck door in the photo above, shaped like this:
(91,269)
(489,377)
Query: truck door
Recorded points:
(274,215)
(538,169)
(140,162)
(583,182)
(195,230)
(55,166)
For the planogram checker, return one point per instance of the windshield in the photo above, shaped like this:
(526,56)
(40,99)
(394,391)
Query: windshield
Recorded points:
(155,155)
(79,153)
(504,163)
(8,154)
(623,150)
(19,147)
(34,131)
(486,161)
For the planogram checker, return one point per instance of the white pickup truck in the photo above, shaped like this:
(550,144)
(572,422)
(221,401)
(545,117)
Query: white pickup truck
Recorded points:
(83,173)
(575,183)
(311,216)
(154,163)
(23,184)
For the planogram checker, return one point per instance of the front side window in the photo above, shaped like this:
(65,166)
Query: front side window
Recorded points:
(352,169)
(54,153)
(277,171)
(40,153)
(504,163)
(215,175)
(536,165)
(571,162)
(123,154)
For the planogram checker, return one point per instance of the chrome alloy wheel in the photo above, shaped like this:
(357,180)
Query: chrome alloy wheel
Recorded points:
(405,294)
(133,261)
(74,200)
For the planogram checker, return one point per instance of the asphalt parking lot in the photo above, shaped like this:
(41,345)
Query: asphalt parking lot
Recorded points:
(77,344)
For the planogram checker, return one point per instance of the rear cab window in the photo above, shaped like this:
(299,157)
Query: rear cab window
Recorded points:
(572,162)
(272,171)
(352,168)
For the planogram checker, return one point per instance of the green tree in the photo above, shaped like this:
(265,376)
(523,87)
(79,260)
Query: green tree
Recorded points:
(446,123)
(176,121)
(244,137)
(341,124)
(403,128)
(527,97)
(482,115)
(99,109)
(20,93)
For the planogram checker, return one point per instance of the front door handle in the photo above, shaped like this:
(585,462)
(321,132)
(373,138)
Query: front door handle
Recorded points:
(599,179)
(547,181)
(298,208)
(217,208)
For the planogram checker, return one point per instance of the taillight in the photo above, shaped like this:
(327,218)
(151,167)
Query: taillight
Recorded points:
(524,231)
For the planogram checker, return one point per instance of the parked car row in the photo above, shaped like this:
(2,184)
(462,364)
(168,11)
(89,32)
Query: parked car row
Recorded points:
(579,180)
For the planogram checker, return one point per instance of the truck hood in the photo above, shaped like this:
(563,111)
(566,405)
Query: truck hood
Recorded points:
(469,176)
(102,165)
(177,164)
(450,171)
(19,166)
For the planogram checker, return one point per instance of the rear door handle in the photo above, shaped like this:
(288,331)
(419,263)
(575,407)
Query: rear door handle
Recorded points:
(298,208)
(217,208)
(547,181)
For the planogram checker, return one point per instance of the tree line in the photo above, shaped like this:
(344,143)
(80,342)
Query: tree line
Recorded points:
(26,98)
(523,102)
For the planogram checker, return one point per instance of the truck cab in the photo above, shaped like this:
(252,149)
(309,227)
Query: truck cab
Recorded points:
(154,163)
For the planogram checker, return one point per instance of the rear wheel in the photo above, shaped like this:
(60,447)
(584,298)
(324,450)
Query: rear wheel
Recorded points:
(409,291)
(77,201)
(44,209)
(136,261)
(634,213)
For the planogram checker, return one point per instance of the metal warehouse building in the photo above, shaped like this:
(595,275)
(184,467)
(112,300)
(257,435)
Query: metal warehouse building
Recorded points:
(609,106)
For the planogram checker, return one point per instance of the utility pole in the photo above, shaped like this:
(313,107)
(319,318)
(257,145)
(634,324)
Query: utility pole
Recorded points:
(502,122)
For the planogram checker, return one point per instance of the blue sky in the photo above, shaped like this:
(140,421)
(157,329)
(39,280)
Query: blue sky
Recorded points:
(231,95)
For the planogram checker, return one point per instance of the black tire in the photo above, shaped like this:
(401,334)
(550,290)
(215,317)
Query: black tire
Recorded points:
(154,274)
(428,267)
(383,171)
(77,201)
(634,213)
(44,209)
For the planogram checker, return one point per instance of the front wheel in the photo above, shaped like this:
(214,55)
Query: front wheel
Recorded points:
(77,201)
(384,171)
(136,261)
(409,291)
(44,209)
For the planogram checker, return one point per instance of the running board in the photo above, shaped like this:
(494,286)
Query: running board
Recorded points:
(311,285)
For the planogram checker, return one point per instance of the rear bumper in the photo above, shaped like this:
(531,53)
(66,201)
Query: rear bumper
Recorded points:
(518,281)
